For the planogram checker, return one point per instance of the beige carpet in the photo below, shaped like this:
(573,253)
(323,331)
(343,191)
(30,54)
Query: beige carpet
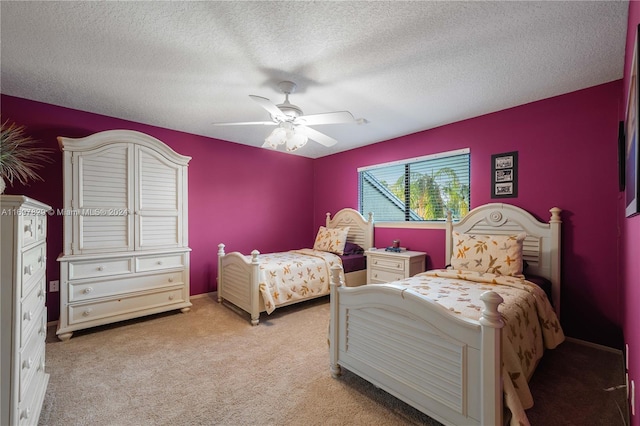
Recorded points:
(211,367)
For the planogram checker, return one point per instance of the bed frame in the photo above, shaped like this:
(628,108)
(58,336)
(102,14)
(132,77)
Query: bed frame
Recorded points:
(444,365)
(238,277)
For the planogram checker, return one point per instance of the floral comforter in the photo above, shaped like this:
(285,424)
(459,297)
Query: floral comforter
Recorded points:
(530,322)
(295,275)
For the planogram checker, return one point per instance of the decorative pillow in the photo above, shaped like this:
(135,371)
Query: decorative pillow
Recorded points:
(496,254)
(352,248)
(331,239)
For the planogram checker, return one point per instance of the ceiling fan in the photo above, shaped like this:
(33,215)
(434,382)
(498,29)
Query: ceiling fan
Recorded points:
(293,129)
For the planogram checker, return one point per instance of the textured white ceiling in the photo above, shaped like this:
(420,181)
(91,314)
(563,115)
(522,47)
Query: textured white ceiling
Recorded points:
(404,66)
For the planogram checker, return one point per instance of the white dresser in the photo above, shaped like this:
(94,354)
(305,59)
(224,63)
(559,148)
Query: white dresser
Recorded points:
(125,249)
(386,266)
(23,380)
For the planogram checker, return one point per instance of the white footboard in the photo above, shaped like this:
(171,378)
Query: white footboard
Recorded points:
(238,282)
(443,365)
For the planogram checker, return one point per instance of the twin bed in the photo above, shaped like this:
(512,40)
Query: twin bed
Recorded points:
(263,282)
(458,344)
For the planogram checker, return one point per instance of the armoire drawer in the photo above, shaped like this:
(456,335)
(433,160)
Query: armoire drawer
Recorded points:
(159,262)
(100,268)
(34,262)
(86,290)
(98,310)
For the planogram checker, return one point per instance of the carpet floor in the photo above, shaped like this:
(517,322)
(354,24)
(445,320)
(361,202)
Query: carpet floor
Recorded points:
(211,367)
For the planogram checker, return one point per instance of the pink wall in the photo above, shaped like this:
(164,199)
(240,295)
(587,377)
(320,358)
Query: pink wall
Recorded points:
(241,196)
(630,242)
(567,158)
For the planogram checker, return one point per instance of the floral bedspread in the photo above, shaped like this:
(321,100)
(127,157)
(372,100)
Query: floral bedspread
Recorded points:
(530,322)
(295,275)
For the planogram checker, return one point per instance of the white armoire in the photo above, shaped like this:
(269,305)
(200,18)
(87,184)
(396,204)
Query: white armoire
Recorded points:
(125,249)
(23,380)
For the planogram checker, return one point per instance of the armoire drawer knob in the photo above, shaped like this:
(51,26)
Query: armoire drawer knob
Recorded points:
(170,279)
(171,297)
(159,262)
(100,268)
(87,290)
(87,312)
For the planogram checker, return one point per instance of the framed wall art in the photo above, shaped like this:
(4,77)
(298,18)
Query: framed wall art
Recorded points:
(504,175)
(631,183)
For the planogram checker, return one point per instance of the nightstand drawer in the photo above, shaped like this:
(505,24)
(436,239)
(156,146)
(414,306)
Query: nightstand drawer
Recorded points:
(387,263)
(382,276)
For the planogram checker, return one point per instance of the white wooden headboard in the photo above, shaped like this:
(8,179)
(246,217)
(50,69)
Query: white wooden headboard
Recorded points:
(360,229)
(541,248)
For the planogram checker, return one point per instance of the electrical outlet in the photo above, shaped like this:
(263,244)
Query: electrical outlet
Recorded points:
(54,286)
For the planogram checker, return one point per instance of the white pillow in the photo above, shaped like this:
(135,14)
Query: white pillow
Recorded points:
(331,239)
(496,254)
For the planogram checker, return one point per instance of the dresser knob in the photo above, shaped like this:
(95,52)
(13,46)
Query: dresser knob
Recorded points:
(87,290)
(397,265)
(27,363)
(170,279)
(25,413)
(100,268)
(87,312)
(28,315)
(159,262)
(171,297)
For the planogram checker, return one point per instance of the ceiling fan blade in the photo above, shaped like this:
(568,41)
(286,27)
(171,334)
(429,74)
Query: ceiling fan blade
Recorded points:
(247,123)
(321,138)
(269,106)
(338,117)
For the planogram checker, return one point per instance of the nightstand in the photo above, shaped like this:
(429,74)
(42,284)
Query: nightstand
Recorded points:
(385,266)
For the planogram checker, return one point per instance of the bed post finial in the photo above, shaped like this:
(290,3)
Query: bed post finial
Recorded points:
(219,277)
(221,249)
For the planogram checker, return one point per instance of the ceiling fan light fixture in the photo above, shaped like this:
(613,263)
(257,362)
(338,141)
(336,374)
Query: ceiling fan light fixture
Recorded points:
(297,140)
(276,138)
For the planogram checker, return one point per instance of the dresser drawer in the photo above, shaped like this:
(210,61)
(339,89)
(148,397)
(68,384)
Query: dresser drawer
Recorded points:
(132,304)
(101,288)
(31,311)
(34,262)
(100,268)
(34,228)
(159,262)
(31,361)
(384,276)
(387,263)
(30,404)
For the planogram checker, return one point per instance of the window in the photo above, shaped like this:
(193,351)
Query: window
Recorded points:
(418,189)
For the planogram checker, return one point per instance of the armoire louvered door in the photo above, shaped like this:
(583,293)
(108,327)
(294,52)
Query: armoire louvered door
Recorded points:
(103,200)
